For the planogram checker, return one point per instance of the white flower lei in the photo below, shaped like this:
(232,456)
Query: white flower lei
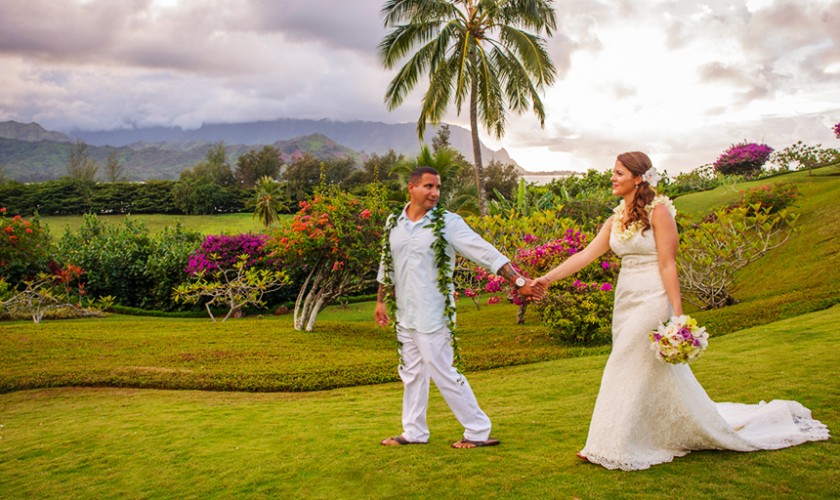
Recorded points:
(618,220)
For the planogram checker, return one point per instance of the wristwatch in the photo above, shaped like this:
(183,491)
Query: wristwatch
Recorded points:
(520,281)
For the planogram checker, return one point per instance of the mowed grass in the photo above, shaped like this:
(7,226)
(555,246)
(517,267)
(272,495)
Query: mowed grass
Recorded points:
(250,354)
(803,275)
(205,224)
(115,443)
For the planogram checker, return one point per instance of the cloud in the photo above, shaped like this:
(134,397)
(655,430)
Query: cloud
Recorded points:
(682,80)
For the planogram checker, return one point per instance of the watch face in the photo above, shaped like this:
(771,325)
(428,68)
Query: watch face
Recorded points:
(520,281)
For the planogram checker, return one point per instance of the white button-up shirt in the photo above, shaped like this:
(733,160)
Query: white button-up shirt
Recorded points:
(420,306)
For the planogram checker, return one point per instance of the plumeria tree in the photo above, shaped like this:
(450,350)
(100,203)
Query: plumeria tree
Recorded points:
(333,240)
(711,252)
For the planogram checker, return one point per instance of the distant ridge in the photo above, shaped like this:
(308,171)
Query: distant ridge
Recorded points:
(30,132)
(362,136)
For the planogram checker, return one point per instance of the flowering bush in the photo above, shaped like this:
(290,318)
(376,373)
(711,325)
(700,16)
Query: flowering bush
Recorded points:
(578,309)
(333,239)
(743,159)
(60,288)
(773,197)
(24,248)
(837,130)
(222,252)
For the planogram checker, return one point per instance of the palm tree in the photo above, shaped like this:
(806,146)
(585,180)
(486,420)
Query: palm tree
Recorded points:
(476,50)
(267,200)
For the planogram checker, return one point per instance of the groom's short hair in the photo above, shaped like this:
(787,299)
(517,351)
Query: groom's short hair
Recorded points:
(417,173)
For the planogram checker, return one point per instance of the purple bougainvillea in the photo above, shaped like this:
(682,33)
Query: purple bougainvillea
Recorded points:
(743,159)
(222,251)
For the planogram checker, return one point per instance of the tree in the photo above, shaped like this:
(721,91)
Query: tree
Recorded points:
(304,175)
(470,50)
(80,166)
(267,201)
(334,239)
(114,170)
(711,252)
(501,179)
(255,164)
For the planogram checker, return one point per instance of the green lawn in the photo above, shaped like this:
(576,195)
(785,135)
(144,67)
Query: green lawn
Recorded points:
(115,443)
(206,224)
(94,422)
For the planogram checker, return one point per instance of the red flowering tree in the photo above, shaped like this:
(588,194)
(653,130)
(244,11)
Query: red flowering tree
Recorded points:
(24,248)
(334,239)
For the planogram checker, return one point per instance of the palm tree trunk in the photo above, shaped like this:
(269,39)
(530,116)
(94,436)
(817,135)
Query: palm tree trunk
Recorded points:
(479,168)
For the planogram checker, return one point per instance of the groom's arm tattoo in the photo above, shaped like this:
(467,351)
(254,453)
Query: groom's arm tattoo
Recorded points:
(508,272)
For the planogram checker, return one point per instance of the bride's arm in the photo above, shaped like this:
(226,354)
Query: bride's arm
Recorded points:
(578,261)
(667,242)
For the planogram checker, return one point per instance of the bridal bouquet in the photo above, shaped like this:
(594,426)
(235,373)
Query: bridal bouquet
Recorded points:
(679,340)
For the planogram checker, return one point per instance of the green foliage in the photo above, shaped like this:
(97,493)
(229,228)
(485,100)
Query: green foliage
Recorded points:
(702,178)
(60,289)
(501,180)
(123,261)
(235,287)
(168,256)
(578,316)
(69,197)
(25,248)
(804,156)
(477,53)
(593,185)
(303,175)
(80,166)
(773,197)
(267,201)
(256,164)
(711,252)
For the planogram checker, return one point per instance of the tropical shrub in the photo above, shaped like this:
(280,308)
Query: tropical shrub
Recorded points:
(113,256)
(234,287)
(24,248)
(711,252)
(578,309)
(61,288)
(333,240)
(774,197)
(169,254)
(701,178)
(802,156)
(744,159)
(836,129)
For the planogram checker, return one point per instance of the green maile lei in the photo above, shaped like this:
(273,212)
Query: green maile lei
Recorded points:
(444,268)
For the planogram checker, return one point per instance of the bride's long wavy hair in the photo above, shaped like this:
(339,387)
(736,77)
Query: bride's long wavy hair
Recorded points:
(638,163)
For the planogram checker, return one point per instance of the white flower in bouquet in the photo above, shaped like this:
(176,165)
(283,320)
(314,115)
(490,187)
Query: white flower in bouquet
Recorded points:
(679,340)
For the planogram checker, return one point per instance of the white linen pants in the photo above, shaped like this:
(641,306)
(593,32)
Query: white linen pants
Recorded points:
(429,356)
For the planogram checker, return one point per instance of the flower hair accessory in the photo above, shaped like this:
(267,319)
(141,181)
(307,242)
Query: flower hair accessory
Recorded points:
(651,176)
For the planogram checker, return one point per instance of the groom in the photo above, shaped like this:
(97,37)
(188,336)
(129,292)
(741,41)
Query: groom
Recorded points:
(422,324)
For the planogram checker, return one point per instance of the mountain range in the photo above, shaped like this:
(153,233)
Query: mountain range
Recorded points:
(30,153)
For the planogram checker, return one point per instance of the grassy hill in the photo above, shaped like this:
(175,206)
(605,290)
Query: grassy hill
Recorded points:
(801,276)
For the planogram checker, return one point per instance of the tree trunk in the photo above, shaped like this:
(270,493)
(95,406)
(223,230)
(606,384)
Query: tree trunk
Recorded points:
(479,168)
(520,314)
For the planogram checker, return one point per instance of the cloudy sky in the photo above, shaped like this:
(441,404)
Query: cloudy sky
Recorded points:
(681,80)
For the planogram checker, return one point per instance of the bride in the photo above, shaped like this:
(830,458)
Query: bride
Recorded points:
(648,411)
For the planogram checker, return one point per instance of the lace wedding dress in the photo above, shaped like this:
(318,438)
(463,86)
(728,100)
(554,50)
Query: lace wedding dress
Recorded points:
(648,411)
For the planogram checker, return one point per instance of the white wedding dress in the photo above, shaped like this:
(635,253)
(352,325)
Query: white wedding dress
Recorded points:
(648,411)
